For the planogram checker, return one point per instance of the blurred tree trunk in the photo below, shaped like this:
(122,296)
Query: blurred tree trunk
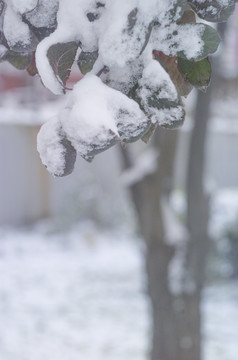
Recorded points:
(176,316)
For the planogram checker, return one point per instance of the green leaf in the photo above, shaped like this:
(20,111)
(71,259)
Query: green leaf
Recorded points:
(196,73)
(41,32)
(70,156)
(147,37)
(188,17)
(86,60)
(32,69)
(132,19)
(213,10)
(61,57)
(211,40)
(19,61)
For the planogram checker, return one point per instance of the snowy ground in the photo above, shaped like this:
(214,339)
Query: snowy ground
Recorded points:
(81,295)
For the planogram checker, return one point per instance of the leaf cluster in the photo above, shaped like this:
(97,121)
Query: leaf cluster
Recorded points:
(171,58)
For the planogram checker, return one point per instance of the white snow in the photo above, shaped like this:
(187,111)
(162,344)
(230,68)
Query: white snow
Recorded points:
(81,294)
(74,295)
(23,6)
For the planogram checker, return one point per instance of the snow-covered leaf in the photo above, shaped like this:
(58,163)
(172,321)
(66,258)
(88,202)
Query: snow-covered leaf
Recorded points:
(146,53)
(170,64)
(56,152)
(129,129)
(211,40)
(43,15)
(208,41)
(213,10)
(174,40)
(86,60)
(18,34)
(97,117)
(177,10)
(158,97)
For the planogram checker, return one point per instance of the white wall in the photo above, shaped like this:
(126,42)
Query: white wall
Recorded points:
(23,182)
(28,193)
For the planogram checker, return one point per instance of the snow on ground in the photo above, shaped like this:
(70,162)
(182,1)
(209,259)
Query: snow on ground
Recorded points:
(82,295)
(221,322)
(71,297)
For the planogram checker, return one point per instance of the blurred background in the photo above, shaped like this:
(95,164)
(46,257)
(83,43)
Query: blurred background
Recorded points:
(73,280)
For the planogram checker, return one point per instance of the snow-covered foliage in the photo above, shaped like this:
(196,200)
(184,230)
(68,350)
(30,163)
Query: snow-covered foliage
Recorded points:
(138,57)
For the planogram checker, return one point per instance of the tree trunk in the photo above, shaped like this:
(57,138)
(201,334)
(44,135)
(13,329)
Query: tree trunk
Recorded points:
(176,316)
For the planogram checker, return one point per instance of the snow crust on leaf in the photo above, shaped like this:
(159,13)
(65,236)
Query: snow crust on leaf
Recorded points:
(95,118)
(16,31)
(23,6)
(121,33)
(213,10)
(96,114)
(153,76)
(50,147)
(43,14)
(174,39)
(124,78)
(119,43)
(158,96)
